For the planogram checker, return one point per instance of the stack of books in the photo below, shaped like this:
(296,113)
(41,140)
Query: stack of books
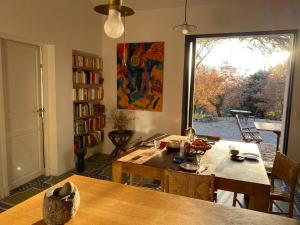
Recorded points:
(86,61)
(81,94)
(87,125)
(87,77)
(88,140)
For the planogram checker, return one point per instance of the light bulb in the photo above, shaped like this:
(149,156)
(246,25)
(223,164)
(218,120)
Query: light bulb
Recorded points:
(185,31)
(113,25)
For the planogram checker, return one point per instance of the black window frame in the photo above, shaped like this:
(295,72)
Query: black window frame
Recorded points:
(185,122)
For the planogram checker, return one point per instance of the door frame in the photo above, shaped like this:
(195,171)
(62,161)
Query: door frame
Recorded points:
(50,126)
(189,90)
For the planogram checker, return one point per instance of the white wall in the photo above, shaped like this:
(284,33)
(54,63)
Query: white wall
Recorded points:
(223,17)
(66,25)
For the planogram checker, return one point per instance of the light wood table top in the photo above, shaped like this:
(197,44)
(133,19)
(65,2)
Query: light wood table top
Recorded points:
(218,158)
(268,126)
(104,202)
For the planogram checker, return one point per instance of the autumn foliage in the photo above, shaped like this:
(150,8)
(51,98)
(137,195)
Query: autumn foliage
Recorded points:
(218,91)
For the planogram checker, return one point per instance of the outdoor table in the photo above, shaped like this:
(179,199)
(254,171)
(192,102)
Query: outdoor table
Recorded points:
(269,126)
(248,177)
(240,112)
(105,202)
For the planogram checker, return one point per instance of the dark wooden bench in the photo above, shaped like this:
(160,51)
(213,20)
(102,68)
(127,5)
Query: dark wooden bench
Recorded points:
(248,133)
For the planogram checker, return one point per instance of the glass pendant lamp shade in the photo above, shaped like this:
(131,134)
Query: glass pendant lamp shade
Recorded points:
(113,25)
(185,28)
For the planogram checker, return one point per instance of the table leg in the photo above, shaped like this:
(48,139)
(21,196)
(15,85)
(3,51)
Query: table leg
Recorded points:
(117,172)
(114,153)
(259,200)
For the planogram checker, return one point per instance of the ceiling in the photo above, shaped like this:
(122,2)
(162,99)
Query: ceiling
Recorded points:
(159,4)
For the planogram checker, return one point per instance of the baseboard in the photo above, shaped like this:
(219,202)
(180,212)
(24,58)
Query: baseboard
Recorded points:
(18,182)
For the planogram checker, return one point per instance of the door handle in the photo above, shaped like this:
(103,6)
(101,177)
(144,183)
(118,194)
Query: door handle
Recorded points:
(41,111)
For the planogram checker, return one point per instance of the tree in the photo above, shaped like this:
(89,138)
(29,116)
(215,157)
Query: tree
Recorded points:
(252,98)
(215,88)
(269,43)
(203,48)
(273,92)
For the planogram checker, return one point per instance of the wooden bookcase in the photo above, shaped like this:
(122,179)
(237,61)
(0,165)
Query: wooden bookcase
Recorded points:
(88,110)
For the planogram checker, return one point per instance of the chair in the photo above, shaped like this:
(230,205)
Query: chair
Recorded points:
(136,175)
(247,132)
(190,185)
(286,170)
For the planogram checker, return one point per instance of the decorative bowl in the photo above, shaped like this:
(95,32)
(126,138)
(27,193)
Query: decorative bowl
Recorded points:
(234,152)
(61,204)
(192,149)
(173,145)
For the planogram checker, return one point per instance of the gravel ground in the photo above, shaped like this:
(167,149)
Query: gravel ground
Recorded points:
(228,129)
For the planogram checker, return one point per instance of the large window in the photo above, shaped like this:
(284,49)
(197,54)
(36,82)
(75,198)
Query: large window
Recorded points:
(248,74)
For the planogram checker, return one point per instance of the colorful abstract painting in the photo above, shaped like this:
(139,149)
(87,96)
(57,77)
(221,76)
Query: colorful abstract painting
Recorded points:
(140,76)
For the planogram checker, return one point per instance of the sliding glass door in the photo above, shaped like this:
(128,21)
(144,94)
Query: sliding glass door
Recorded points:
(245,74)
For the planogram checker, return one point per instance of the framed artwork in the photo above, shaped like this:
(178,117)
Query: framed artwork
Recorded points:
(140,69)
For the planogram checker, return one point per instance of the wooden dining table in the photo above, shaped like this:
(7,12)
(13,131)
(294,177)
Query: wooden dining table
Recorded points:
(270,126)
(107,203)
(248,177)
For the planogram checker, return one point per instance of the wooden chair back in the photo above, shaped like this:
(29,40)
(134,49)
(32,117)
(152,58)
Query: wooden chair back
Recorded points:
(238,122)
(285,169)
(190,185)
(139,173)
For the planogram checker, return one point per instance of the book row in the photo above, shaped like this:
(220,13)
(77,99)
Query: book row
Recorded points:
(87,77)
(89,125)
(80,94)
(89,140)
(87,61)
(88,109)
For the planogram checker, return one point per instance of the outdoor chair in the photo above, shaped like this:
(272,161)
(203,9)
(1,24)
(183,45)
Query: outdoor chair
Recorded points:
(190,185)
(248,133)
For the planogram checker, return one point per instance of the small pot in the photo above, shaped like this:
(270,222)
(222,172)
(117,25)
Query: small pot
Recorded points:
(61,204)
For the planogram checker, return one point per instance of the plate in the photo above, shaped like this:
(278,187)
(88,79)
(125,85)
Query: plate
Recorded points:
(251,156)
(189,166)
(237,158)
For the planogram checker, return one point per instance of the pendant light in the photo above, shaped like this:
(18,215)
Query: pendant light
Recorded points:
(185,28)
(113,26)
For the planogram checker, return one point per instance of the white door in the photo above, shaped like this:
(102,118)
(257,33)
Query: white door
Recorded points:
(22,97)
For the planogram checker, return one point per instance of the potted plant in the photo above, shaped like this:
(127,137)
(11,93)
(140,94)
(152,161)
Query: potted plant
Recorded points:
(121,119)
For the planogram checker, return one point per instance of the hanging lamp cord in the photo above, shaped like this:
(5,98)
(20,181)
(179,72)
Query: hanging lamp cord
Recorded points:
(124,38)
(185,7)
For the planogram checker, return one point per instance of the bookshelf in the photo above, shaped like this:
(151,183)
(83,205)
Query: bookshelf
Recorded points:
(88,110)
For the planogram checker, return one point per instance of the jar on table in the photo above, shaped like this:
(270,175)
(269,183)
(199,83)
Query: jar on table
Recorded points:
(190,133)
